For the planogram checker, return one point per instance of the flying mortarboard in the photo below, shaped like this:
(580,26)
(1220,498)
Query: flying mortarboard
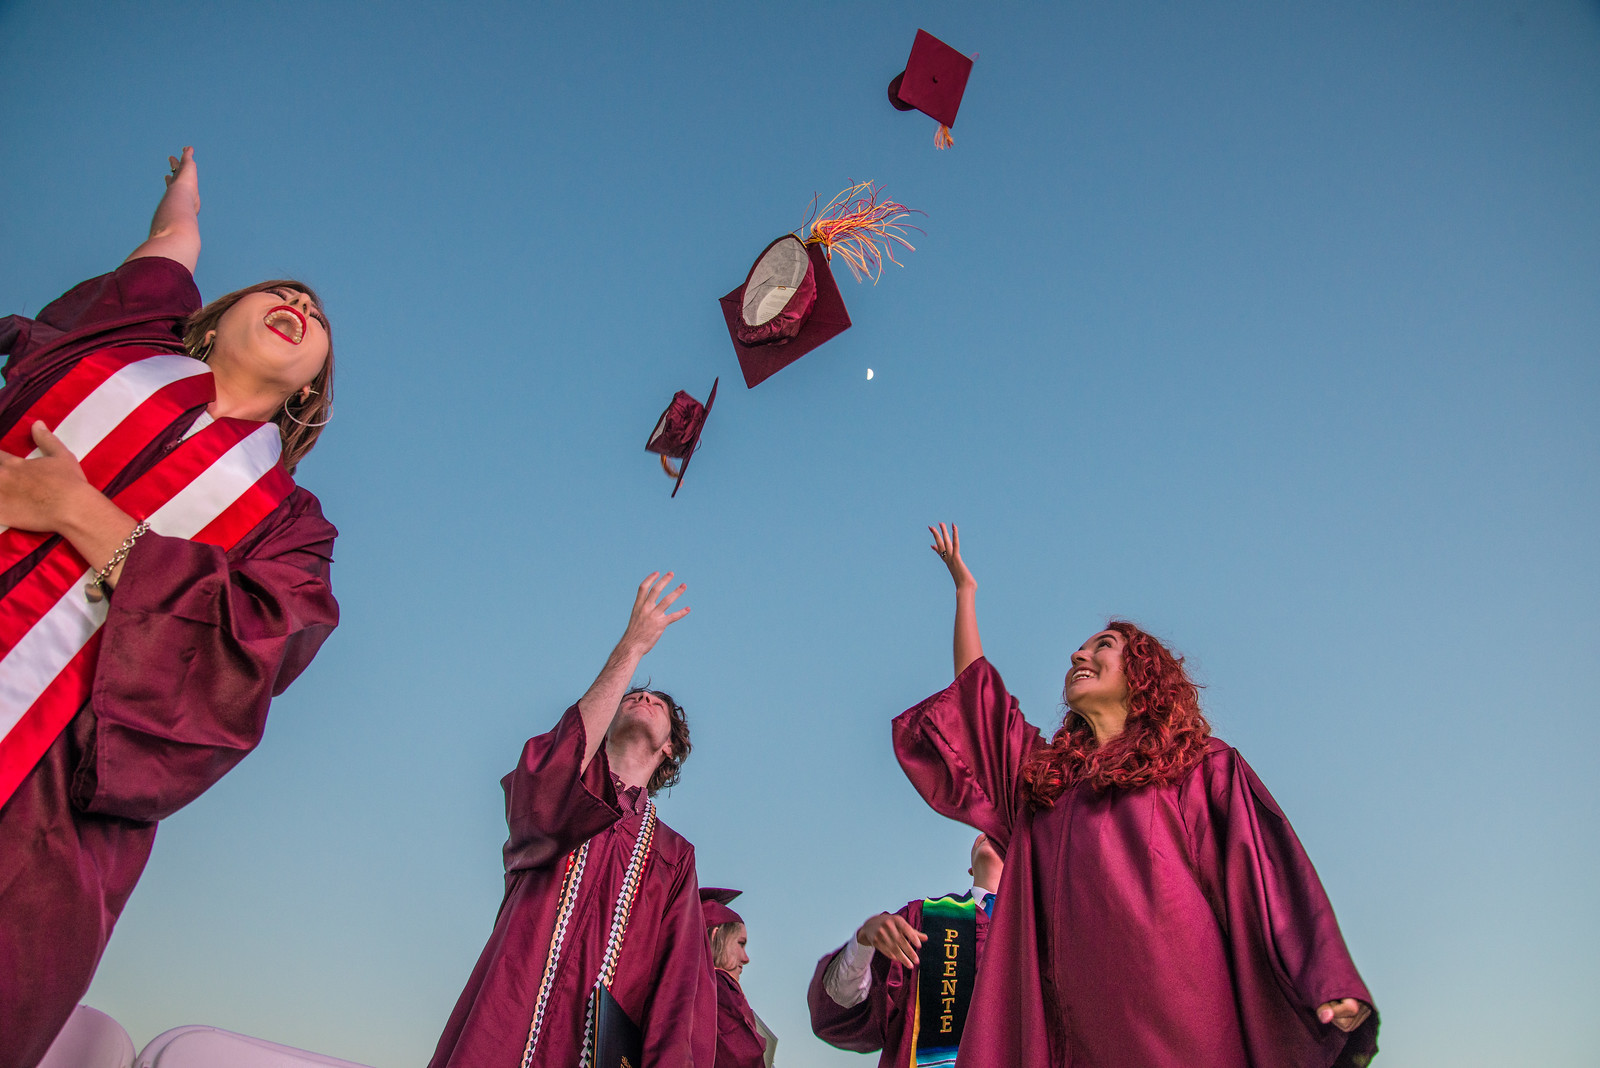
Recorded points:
(932,83)
(789,303)
(714,904)
(677,432)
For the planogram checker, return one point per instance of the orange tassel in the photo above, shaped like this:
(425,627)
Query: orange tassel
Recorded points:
(666,465)
(863,231)
(943,139)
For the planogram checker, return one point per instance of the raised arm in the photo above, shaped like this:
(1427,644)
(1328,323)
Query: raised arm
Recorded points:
(175,230)
(967,645)
(646,622)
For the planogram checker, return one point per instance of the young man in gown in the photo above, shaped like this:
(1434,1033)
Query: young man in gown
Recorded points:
(863,995)
(588,781)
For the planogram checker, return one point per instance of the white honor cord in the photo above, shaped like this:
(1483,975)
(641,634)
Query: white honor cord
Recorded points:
(569,897)
(619,923)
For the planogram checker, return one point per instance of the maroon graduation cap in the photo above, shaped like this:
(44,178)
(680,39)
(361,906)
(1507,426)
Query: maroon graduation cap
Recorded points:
(714,904)
(932,83)
(677,432)
(789,303)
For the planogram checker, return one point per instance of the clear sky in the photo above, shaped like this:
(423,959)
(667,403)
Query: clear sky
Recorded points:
(1271,326)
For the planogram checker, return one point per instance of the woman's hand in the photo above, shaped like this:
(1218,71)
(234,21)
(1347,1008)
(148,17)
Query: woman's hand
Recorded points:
(39,494)
(49,494)
(185,177)
(175,230)
(893,937)
(1347,1014)
(966,645)
(948,546)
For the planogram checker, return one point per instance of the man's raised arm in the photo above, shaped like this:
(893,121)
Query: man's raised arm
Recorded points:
(646,623)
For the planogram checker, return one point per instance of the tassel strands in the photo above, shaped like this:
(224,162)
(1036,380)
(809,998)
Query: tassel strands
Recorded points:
(862,228)
(943,138)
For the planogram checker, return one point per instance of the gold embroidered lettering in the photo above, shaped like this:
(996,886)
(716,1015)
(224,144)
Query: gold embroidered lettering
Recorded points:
(951,934)
(947,986)
(949,967)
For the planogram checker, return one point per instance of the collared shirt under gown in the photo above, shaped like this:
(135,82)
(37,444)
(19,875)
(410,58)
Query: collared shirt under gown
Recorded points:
(196,645)
(884,1020)
(664,977)
(1174,926)
(739,1042)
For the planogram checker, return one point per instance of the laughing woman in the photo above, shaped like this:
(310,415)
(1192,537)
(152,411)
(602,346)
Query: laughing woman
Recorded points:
(1157,910)
(162,578)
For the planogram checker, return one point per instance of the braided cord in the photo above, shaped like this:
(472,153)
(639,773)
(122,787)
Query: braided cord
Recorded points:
(620,912)
(569,896)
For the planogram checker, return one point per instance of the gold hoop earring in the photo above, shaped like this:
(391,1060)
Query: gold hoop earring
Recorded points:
(296,419)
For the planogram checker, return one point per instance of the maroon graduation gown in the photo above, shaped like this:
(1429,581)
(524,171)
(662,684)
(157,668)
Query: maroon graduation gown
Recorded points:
(663,979)
(739,1044)
(883,1021)
(1176,926)
(196,644)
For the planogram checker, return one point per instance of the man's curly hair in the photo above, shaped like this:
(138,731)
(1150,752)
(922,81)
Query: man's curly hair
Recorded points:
(666,773)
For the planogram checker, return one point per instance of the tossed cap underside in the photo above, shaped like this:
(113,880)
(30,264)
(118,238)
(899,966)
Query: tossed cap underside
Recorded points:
(774,280)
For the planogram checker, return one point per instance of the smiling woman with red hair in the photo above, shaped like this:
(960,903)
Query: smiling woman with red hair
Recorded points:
(1157,910)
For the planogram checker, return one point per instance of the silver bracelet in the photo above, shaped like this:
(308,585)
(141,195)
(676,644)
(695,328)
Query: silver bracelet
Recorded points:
(94,590)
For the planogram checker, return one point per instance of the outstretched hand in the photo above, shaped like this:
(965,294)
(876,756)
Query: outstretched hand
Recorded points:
(1346,1014)
(185,174)
(948,546)
(38,494)
(650,618)
(892,936)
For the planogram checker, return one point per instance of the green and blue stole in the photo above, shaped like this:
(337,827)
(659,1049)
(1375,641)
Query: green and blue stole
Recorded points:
(945,979)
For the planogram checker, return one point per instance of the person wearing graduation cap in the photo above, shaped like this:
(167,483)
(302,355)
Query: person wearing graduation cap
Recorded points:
(601,919)
(743,1041)
(904,984)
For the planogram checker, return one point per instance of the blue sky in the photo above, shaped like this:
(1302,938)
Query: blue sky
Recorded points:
(1271,326)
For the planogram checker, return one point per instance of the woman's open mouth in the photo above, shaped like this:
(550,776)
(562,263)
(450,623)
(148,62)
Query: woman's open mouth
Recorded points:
(288,323)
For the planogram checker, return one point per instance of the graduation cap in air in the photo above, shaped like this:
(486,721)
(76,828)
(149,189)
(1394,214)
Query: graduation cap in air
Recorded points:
(714,904)
(932,83)
(789,303)
(677,432)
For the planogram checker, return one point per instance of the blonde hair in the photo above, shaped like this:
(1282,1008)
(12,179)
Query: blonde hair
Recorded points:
(724,935)
(300,429)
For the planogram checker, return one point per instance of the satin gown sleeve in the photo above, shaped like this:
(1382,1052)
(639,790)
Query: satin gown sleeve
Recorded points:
(145,301)
(553,803)
(196,644)
(964,749)
(1274,913)
(882,1021)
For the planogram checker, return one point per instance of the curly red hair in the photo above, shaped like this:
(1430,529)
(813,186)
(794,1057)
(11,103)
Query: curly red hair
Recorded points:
(1163,739)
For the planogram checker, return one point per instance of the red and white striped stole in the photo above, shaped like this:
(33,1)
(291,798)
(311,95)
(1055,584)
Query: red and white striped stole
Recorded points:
(213,487)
